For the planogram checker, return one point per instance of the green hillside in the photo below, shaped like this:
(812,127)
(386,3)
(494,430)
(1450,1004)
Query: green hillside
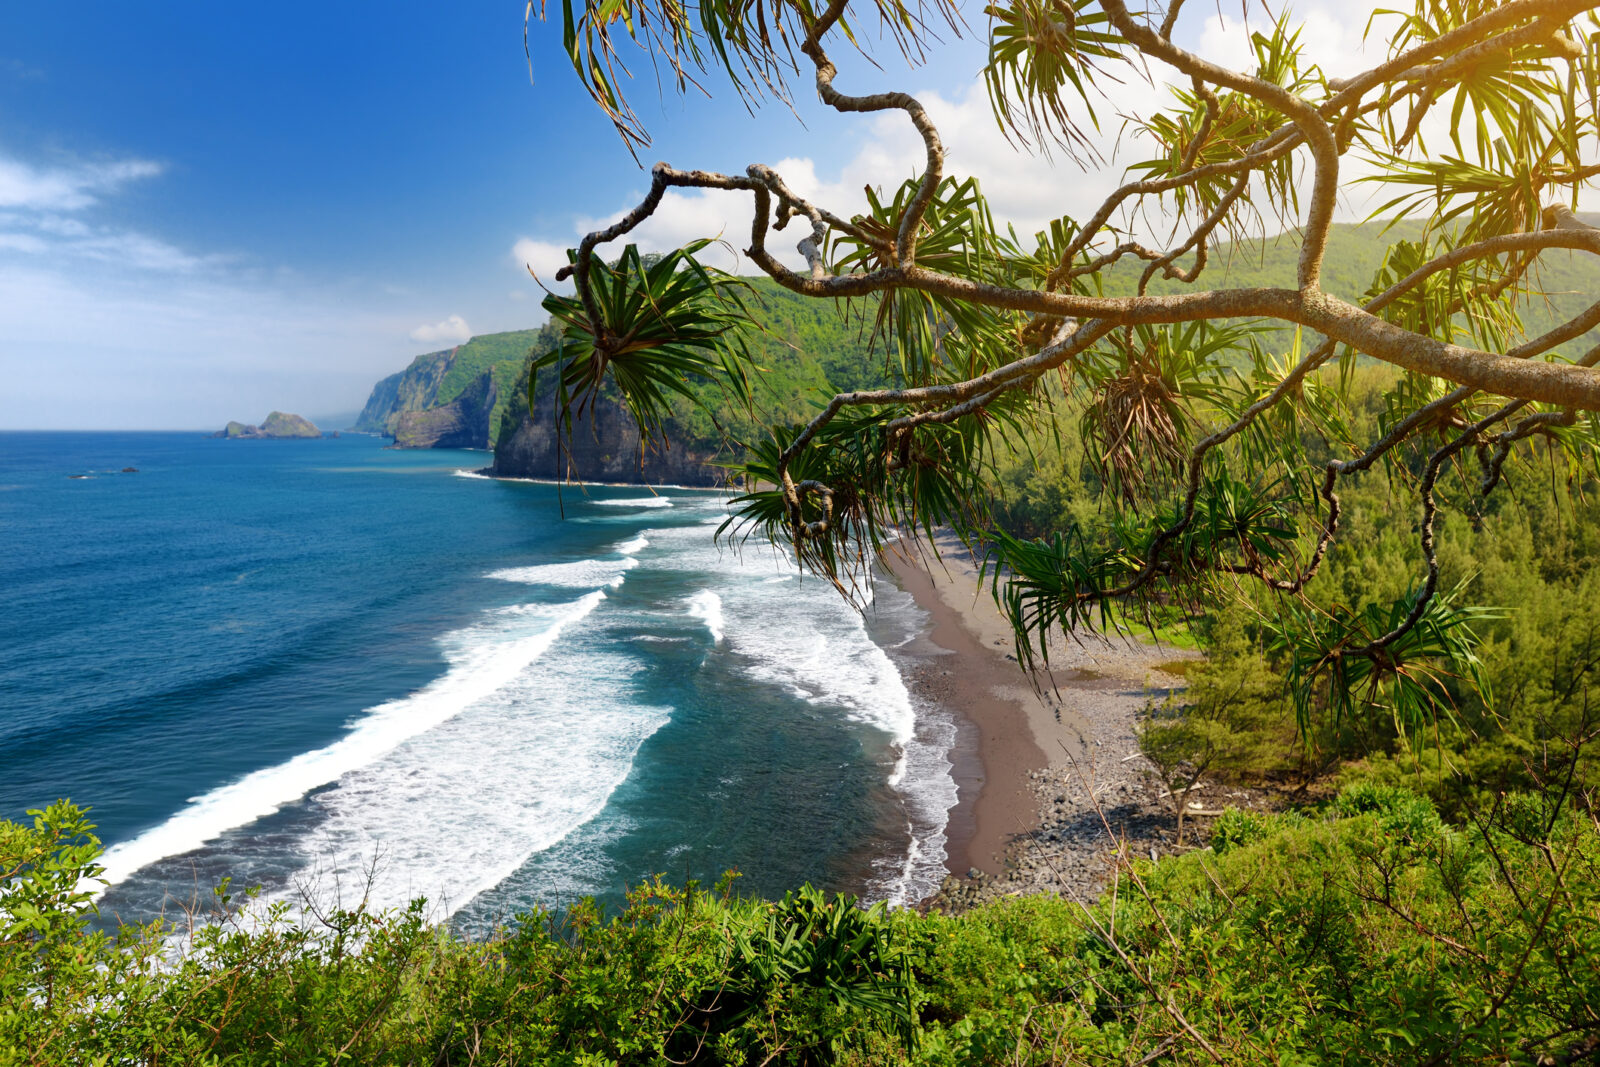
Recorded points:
(1562,283)
(805,348)
(438,378)
(802,350)
(503,355)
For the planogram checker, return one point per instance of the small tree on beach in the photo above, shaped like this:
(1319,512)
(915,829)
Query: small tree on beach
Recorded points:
(1221,457)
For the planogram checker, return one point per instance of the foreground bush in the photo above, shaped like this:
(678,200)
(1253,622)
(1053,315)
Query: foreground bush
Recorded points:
(1371,932)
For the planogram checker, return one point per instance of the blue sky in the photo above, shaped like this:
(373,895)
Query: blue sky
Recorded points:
(208,211)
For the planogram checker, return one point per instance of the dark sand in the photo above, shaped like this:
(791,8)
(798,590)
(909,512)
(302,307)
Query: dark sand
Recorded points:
(1036,766)
(997,749)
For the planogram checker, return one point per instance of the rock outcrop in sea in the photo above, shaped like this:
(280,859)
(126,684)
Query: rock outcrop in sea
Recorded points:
(276,425)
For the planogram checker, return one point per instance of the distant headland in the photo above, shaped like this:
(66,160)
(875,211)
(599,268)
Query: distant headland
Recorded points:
(276,425)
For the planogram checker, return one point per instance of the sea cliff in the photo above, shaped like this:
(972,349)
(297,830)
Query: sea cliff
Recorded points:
(475,396)
(453,398)
(604,447)
(462,423)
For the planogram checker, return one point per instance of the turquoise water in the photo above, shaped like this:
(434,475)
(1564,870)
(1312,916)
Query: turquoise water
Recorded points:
(318,666)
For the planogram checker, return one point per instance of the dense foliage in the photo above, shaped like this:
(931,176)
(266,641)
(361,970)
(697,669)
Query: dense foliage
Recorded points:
(1367,931)
(1218,398)
(1507,679)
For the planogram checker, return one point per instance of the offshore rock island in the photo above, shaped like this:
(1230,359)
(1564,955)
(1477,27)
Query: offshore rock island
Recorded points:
(277,425)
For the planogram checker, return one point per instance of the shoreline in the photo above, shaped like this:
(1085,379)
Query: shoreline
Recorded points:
(488,472)
(996,747)
(1037,760)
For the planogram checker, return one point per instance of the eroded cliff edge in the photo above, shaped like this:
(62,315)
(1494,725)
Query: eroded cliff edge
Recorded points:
(603,447)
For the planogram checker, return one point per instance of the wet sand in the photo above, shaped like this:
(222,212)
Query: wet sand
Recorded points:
(1034,762)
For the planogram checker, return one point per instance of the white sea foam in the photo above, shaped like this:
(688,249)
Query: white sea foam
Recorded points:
(483,660)
(456,787)
(797,632)
(707,607)
(462,472)
(929,792)
(800,635)
(582,574)
(635,502)
(455,811)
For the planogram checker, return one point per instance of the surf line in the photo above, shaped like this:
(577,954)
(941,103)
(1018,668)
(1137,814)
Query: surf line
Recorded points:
(471,677)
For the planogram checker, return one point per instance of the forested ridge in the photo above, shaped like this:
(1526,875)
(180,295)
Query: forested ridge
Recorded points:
(804,348)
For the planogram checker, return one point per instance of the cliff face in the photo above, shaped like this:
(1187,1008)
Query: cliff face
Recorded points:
(462,423)
(415,405)
(604,448)
(383,402)
(414,389)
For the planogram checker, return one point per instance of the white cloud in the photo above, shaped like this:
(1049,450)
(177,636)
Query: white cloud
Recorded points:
(44,205)
(65,239)
(543,258)
(143,333)
(66,188)
(452,331)
(1333,36)
(24,242)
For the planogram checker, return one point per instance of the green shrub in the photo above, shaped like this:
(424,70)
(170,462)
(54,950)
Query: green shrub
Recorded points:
(1375,933)
(1236,828)
(1399,811)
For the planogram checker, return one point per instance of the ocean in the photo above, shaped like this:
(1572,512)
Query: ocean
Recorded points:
(331,668)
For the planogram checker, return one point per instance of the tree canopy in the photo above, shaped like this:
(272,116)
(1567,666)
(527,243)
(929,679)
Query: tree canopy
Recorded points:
(1221,452)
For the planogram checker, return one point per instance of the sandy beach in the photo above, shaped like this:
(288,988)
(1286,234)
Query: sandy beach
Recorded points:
(1043,763)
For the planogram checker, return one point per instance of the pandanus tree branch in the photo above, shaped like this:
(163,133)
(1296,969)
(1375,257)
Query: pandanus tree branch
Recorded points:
(1233,145)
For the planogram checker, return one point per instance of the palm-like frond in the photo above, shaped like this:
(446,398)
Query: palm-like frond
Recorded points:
(931,337)
(662,324)
(877,484)
(753,41)
(1143,385)
(1042,56)
(1411,678)
(1059,584)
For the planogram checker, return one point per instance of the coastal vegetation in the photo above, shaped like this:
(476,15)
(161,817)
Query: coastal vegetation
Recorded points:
(1364,930)
(1369,489)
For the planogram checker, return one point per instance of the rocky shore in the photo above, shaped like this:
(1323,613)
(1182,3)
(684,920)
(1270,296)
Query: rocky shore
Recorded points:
(1091,802)
(1050,777)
